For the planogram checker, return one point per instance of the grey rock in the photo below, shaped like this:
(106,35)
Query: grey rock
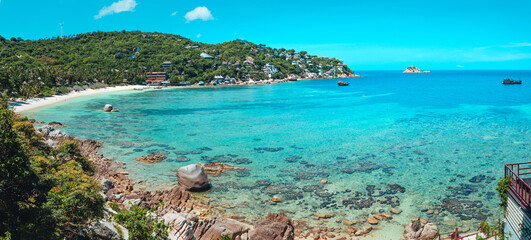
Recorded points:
(131,202)
(181,226)
(107,185)
(107,108)
(57,134)
(50,142)
(193,178)
(46,129)
(420,229)
(108,230)
(215,228)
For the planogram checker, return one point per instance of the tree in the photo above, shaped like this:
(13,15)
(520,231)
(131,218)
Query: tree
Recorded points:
(20,187)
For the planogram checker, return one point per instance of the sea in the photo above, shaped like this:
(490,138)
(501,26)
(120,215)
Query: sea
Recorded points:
(433,144)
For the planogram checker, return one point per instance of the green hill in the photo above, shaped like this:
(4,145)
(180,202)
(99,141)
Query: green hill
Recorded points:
(44,67)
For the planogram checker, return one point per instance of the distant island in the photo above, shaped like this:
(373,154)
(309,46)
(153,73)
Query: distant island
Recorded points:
(413,69)
(39,68)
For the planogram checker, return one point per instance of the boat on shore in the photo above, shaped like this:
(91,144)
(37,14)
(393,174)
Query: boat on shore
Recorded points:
(341,83)
(509,81)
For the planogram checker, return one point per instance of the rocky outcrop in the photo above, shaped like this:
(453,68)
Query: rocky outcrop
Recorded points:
(420,229)
(193,178)
(275,226)
(215,228)
(216,168)
(107,108)
(151,158)
(177,198)
(89,146)
(180,209)
(412,69)
(181,226)
(56,125)
(53,137)
(107,231)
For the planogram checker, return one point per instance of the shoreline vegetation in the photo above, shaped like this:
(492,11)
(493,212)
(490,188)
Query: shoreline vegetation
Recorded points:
(46,67)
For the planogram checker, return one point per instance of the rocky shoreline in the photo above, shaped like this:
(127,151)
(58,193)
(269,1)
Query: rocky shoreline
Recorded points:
(191,217)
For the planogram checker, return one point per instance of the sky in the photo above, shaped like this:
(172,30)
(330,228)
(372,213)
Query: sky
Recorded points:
(366,34)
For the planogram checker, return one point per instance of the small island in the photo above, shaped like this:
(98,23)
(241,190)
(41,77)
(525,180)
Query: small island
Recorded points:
(413,69)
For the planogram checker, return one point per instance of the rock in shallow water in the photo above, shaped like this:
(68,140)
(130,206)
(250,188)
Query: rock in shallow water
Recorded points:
(107,108)
(217,168)
(193,178)
(420,229)
(151,158)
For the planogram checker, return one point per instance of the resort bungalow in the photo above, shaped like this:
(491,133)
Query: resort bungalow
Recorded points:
(518,211)
(218,79)
(156,78)
(166,65)
(183,83)
(204,55)
(269,69)
(201,83)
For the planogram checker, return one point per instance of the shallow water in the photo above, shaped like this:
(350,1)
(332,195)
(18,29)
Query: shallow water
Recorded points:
(389,140)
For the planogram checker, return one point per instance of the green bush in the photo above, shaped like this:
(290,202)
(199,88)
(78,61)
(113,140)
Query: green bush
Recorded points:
(502,187)
(45,193)
(140,224)
(225,237)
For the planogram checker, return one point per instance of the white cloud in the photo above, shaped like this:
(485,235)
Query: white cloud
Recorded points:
(117,7)
(512,45)
(460,66)
(199,13)
(173,14)
(199,35)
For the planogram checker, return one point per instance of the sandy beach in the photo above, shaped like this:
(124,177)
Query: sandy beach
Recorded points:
(41,102)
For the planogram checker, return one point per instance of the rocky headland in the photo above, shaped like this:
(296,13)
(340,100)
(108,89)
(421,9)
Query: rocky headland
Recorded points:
(192,217)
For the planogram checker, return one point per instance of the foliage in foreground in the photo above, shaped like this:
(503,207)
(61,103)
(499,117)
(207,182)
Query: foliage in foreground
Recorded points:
(140,223)
(502,187)
(225,237)
(46,193)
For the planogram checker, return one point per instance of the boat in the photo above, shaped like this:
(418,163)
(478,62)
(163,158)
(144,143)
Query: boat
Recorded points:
(509,81)
(292,80)
(341,83)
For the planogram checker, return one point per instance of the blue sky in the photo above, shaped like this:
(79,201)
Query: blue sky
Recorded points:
(367,35)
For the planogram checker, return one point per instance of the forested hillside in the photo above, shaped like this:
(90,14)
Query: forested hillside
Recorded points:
(44,67)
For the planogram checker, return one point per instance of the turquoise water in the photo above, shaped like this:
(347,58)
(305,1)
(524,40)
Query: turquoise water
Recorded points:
(389,140)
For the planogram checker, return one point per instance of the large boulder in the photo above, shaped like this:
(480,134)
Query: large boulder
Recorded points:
(107,108)
(420,229)
(193,178)
(275,226)
(215,228)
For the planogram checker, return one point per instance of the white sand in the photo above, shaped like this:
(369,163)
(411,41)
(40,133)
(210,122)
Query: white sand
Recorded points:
(41,102)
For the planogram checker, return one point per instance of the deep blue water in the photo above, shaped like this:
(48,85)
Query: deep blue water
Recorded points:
(389,140)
